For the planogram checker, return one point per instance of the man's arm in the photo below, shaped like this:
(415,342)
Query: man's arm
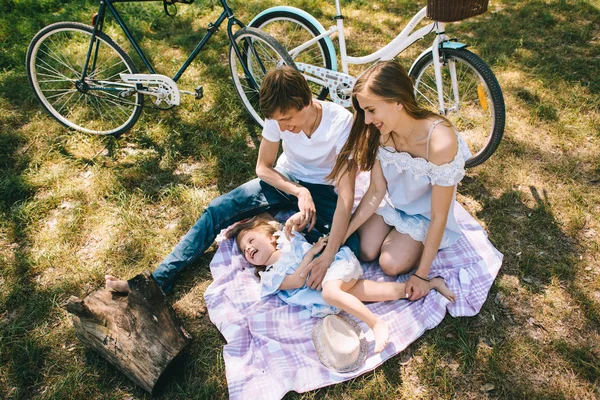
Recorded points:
(267,153)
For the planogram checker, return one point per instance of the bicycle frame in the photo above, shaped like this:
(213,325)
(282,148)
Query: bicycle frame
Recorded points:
(400,43)
(212,28)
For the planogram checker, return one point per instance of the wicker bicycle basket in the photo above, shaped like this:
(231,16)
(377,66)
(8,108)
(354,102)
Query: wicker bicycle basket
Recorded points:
(455,10)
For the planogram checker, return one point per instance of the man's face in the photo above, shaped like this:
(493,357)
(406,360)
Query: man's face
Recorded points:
(291,120)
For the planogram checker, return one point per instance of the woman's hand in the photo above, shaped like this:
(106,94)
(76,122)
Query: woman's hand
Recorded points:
(416,288)
(306,205)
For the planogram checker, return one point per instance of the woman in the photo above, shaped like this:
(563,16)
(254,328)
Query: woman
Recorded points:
(415,156)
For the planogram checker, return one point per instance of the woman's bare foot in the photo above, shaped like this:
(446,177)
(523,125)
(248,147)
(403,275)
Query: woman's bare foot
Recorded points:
(381,331)
(116,284)
(439,285)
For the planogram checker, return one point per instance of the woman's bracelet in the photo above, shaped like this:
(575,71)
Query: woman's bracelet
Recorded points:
(423,279)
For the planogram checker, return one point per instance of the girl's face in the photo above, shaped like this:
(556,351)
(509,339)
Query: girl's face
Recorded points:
(382,114)
(257,247)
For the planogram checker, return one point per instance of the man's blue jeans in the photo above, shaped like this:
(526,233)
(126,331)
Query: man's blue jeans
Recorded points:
(245,201)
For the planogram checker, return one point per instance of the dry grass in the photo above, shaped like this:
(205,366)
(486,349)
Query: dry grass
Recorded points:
(74,207)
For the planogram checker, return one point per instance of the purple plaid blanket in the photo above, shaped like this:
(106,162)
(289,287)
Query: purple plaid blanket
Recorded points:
(269,349)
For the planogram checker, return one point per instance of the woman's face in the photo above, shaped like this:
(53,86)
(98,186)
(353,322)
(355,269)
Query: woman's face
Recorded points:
(381,113)
(257,247)
(292,120)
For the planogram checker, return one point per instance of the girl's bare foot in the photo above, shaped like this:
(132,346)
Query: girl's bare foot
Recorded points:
(439,285)
(116,284)
(381,331)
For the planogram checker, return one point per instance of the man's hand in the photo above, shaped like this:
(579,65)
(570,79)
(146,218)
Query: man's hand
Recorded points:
(318,268)
(416,288)
(306,205)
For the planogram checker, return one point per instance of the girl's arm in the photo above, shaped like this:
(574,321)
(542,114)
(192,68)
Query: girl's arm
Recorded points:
(370,201)
(339,226)
(296,280)
(267,154)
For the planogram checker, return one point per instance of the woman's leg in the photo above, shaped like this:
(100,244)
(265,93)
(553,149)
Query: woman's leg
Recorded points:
(335,293)
(399,253)
(372,235)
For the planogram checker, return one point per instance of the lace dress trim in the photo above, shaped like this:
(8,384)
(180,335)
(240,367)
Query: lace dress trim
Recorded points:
(448,174)
(413,226)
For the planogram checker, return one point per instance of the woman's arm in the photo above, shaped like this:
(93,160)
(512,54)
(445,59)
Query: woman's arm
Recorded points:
(267,153)
(370,201)
(339,225)
(443,148)
(298,279)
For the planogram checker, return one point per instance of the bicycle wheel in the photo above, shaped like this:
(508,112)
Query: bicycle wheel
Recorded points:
(260,53)
(99,104)
(480,114)
(291,30)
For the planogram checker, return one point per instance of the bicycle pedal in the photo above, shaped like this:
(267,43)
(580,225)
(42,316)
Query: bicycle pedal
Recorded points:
(199,93)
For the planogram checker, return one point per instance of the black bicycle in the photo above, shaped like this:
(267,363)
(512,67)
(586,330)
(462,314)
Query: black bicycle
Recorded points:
(87,82)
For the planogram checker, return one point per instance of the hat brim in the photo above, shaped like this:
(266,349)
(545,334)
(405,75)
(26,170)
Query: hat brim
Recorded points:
(362,355)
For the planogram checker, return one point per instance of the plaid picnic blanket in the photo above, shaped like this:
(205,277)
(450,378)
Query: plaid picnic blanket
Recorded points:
(269,349)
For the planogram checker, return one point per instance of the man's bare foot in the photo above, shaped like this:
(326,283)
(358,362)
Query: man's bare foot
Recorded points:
(439,285)
(381,331)
(116,284)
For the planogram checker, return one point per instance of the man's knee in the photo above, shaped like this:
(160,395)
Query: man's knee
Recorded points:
(353,244)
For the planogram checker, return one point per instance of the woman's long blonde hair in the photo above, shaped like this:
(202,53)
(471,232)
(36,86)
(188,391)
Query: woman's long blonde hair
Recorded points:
(389,81)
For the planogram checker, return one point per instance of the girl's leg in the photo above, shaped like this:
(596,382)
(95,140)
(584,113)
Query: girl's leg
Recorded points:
(372,234)
(399,253)
(370,291)
(335,293)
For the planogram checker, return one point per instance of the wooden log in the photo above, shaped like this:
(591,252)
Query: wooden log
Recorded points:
(138,333)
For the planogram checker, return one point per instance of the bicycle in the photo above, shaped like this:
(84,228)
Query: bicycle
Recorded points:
(87,82)
(447,78)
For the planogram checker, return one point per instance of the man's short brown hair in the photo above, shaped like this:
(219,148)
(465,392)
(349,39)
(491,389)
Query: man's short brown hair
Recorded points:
(284,89)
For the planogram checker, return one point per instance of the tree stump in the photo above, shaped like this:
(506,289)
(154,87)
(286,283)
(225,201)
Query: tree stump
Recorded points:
(138,333)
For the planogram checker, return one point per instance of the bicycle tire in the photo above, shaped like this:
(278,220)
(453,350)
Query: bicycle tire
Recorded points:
(480,124)
(279,23)
(261,53)
(54,64)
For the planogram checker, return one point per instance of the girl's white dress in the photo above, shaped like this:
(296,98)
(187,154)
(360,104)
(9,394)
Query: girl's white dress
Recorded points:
(345,266)
(410,181)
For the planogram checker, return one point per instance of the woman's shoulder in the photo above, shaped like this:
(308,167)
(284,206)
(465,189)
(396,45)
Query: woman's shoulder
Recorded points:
(443,143)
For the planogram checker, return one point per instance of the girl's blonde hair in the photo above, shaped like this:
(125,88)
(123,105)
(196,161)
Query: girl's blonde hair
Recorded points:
(389,81)
(263,223)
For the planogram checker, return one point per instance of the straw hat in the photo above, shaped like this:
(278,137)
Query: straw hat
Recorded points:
(340,343)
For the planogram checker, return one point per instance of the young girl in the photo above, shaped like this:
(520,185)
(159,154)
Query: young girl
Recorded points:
(280,265)
(418,159)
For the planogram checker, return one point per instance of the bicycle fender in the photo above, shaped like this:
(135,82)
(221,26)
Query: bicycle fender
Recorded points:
(445,45)
(310,19)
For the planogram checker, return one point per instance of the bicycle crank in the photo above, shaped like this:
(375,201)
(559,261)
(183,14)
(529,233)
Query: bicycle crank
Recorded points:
(163,88)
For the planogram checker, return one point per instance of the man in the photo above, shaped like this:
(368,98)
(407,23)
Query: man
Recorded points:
(312,133)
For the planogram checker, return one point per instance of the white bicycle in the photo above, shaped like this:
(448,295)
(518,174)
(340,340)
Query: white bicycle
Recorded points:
(447,78)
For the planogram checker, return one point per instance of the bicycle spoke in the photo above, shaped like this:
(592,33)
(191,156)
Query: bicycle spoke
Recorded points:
(60,59)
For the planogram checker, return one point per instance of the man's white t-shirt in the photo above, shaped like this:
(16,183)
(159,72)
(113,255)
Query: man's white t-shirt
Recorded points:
(312,159)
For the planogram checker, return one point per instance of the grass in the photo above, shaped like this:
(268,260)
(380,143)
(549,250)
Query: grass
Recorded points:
(74,207)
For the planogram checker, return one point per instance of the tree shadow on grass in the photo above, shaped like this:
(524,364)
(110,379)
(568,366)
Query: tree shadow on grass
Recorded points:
(543,38)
